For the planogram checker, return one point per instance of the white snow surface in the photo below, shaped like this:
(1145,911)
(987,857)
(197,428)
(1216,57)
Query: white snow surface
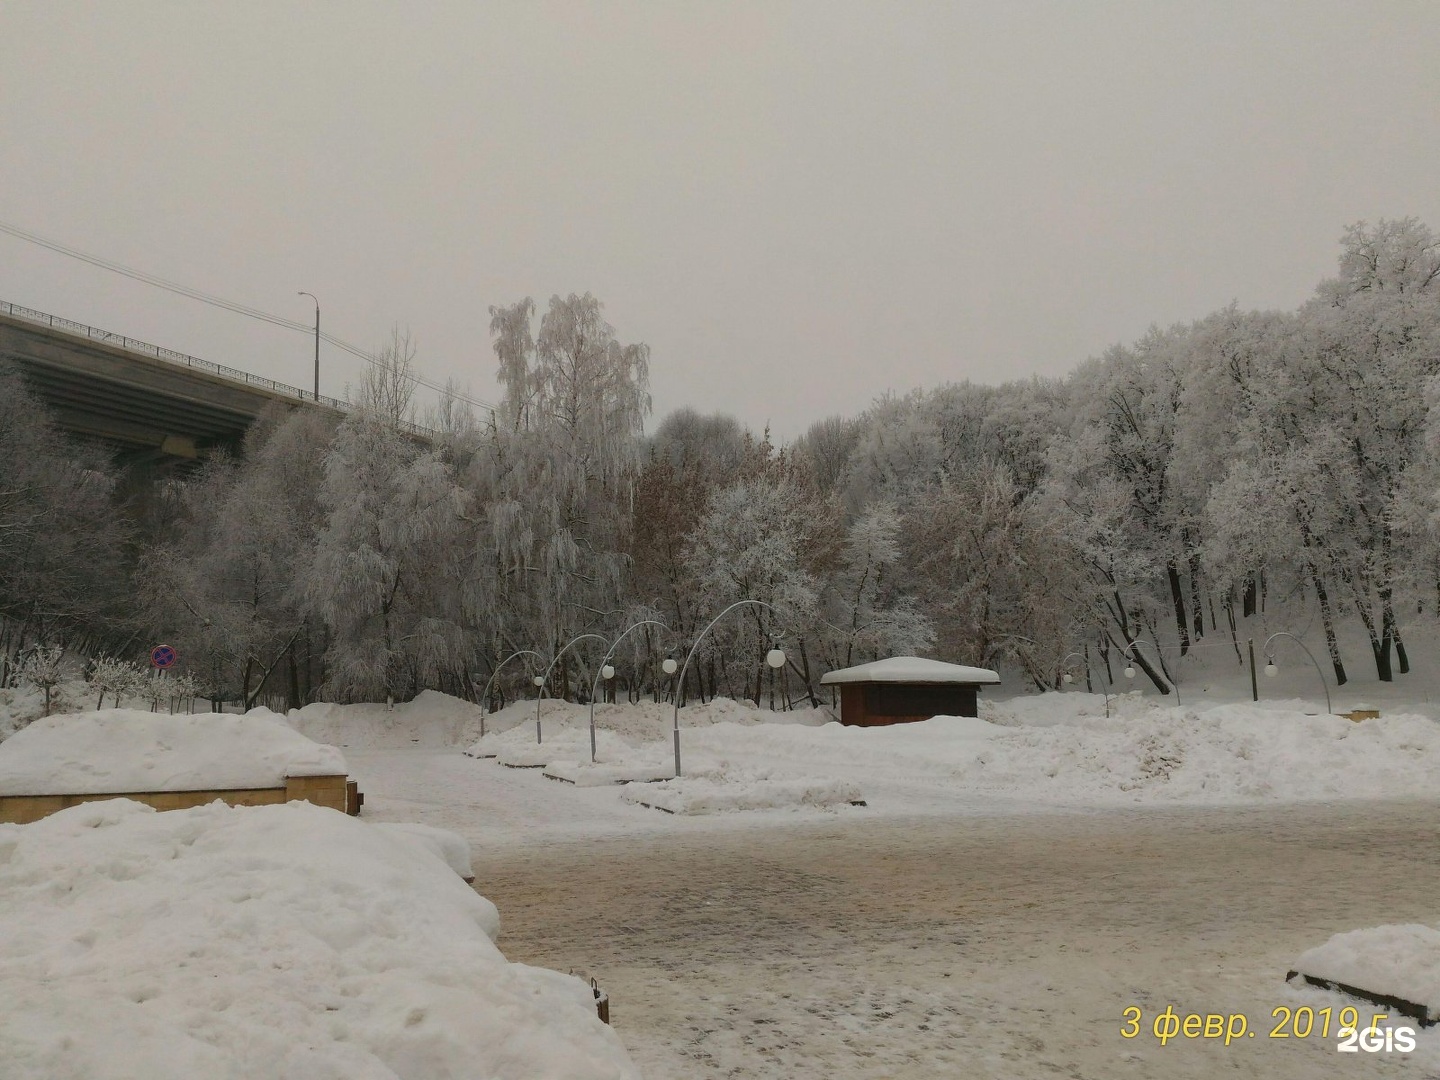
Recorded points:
(277,941)
(723,792)
(452,848)
(430,720)
(1050,749)
(1394,961)
(910,669)
(121,750)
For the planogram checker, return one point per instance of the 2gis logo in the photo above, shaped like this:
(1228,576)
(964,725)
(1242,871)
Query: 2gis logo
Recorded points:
(1376,1040)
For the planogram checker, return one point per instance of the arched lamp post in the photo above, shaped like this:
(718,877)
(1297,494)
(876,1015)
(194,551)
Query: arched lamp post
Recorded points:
(775,658)
(1271,670)
(486,695)
(541,680)
(1130,670)
(607,672)
(1065,676)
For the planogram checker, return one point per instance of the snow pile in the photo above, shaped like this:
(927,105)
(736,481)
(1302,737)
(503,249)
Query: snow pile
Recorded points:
(730,791)
(432,720)
(648,764)
(633,746)
(117,750)
(1233,753)
(1391,961)
(451,848)
(278,941)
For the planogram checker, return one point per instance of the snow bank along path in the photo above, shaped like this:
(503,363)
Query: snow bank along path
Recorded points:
(280,941)
(1055,749)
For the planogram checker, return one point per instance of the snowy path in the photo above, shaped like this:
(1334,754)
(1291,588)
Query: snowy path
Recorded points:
(990,945)
(987,946)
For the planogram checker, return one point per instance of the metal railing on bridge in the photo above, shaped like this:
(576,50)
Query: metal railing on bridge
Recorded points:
(170,356)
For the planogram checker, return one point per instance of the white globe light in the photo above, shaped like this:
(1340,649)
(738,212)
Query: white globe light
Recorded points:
(1129,673)
(539,680)
(607,672)
(669,666)
(1068,677)
(1271,670)
(775,658)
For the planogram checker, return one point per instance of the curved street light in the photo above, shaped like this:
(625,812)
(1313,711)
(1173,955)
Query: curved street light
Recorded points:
(607,672)
(775,658)
(486,695)
(1065,675)
(1130,670)
(1271,670)
(541,680)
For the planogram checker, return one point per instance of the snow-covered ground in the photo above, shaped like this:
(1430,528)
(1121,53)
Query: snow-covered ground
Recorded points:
(279,941)
(1053,749)
(978,843)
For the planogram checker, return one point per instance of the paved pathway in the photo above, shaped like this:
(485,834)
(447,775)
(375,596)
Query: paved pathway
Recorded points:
(983,946)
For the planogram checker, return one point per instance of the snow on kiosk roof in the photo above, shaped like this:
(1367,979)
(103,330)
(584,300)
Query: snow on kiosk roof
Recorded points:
(911,669)
(903,689)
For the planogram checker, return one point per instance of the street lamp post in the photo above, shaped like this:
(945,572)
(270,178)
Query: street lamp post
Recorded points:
(542,680)
(1130,670)
(1065,676)
(484,697)
(317,341)
(1271,670)
(775,658)
(607,672)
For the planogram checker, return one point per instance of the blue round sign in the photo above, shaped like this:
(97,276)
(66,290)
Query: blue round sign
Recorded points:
(162,656)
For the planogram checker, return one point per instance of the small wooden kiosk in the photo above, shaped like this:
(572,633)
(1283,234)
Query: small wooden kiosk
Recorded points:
(903,689)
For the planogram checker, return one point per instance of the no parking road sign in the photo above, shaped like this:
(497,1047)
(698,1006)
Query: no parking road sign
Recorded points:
(162,657)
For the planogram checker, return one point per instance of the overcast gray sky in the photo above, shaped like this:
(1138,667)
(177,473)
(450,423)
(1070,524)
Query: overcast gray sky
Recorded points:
(798,206)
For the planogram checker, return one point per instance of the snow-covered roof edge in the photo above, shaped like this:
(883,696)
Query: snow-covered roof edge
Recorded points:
(910,669)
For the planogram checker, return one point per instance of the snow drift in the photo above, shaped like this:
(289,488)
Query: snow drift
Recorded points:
(278,941)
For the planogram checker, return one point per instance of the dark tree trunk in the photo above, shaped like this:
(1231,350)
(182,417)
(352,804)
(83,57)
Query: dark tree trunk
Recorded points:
(295,700)
(1327,619)
(1197,611)
(1229,605)
(1399,647)
(1177,596)
(1248,602)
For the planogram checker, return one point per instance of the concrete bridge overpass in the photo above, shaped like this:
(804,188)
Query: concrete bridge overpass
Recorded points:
(149,403)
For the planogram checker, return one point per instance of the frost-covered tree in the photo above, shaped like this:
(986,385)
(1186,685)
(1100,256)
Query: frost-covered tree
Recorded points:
(119,678)
(63,571)
(753,543)
(42,669)
(555,482)
(1370,342)
(865,614)
(232,599)
(824,451)
(385,563)
(1000,577)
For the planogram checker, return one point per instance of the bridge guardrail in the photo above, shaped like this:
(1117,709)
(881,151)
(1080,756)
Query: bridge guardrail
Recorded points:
(170,356)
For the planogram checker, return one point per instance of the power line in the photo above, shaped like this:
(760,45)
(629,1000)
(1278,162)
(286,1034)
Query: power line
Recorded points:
(220,302)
